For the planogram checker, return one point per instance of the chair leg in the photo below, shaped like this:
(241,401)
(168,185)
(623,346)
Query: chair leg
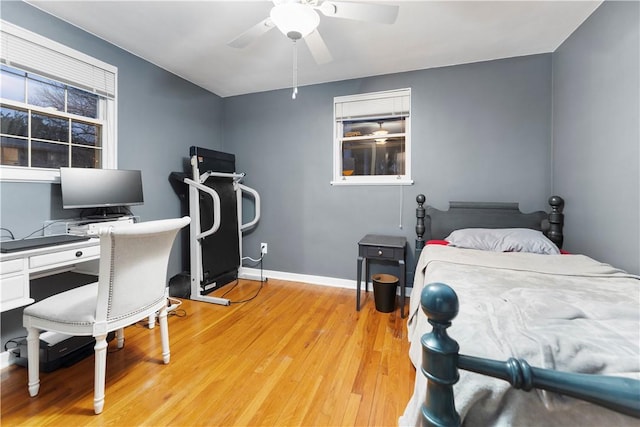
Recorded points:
(120,337)
(100,372)
(33,363)
(164,334)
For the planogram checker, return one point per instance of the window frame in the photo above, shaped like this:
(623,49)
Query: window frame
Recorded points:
(338,136)
(107,103)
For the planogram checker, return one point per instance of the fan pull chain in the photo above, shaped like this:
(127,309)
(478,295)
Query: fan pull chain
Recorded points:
(295,70)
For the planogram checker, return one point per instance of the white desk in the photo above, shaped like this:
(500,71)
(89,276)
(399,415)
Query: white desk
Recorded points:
(18,268)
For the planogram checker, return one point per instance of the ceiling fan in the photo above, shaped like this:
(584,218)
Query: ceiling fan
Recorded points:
(299,19)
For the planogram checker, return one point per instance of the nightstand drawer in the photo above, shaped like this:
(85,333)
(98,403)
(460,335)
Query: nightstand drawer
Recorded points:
(384,252)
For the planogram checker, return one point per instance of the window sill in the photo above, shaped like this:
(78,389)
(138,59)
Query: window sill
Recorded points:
(21,174)
(373,181)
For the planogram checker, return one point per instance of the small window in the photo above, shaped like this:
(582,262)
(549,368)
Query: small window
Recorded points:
(57,108)
(372,139)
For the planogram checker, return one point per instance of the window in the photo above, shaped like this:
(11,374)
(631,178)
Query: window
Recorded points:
(372,142)
(57,108)
(46,124)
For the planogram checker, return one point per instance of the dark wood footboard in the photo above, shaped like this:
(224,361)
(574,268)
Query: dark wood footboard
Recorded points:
(441,361)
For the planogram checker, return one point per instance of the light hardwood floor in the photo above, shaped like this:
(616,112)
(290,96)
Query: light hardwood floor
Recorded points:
(296,355)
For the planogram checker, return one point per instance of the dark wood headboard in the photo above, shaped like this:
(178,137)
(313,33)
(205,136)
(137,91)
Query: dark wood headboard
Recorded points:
(433,223)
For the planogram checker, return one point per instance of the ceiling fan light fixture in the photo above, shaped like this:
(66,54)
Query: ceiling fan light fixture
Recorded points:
(295,20)
(379,133)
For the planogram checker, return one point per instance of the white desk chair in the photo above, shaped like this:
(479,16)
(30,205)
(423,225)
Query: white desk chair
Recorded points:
(131,287)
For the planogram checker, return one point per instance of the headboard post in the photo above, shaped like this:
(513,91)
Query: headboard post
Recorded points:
(420,227)
(556,220)
(439,356)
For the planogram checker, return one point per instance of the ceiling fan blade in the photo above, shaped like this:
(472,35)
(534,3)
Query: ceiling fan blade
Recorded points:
(318,48)
(380,13)
(249,36)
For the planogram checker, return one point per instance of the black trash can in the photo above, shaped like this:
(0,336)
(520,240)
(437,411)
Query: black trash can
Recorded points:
(384,292)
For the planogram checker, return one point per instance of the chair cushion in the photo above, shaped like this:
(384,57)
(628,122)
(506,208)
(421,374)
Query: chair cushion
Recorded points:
(76,306)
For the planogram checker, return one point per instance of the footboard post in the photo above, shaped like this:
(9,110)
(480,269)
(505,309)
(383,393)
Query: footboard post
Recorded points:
(439,356)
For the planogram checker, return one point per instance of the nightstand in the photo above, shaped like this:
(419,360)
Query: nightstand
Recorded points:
(389,248)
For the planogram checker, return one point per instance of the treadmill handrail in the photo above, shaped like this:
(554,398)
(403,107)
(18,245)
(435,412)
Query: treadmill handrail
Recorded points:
(256,198)
(216,207)
(234,176)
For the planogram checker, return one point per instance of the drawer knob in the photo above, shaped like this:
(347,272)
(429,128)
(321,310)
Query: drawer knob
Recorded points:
(379,252)
(78,254)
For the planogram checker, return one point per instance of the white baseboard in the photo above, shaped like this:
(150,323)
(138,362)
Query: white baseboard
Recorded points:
(7,359)
(254,274)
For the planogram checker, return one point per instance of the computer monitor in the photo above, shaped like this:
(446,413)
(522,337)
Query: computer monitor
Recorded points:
(101,189)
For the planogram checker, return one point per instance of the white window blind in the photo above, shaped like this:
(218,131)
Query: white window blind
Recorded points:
(374,105)
(36,54)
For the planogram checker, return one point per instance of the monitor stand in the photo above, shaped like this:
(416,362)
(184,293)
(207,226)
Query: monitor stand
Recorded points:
(104,214)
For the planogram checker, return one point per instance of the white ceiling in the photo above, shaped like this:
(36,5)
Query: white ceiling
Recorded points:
(189,38)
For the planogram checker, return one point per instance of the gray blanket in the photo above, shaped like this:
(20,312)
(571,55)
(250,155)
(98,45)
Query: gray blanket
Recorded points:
(564,312)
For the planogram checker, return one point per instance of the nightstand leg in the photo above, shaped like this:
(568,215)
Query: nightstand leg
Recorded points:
(358,283)
(366,274)
(402,287)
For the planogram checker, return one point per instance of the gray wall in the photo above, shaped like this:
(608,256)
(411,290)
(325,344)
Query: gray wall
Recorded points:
(159,116)
(596,135)
(479,132)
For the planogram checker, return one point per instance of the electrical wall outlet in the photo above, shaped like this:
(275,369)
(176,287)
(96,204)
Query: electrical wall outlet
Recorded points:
(263,248)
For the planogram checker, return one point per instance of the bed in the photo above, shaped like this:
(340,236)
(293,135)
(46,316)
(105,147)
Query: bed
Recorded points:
(493,284)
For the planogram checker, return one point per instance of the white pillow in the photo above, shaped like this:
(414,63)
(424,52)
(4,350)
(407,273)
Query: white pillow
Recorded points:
(503,240)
